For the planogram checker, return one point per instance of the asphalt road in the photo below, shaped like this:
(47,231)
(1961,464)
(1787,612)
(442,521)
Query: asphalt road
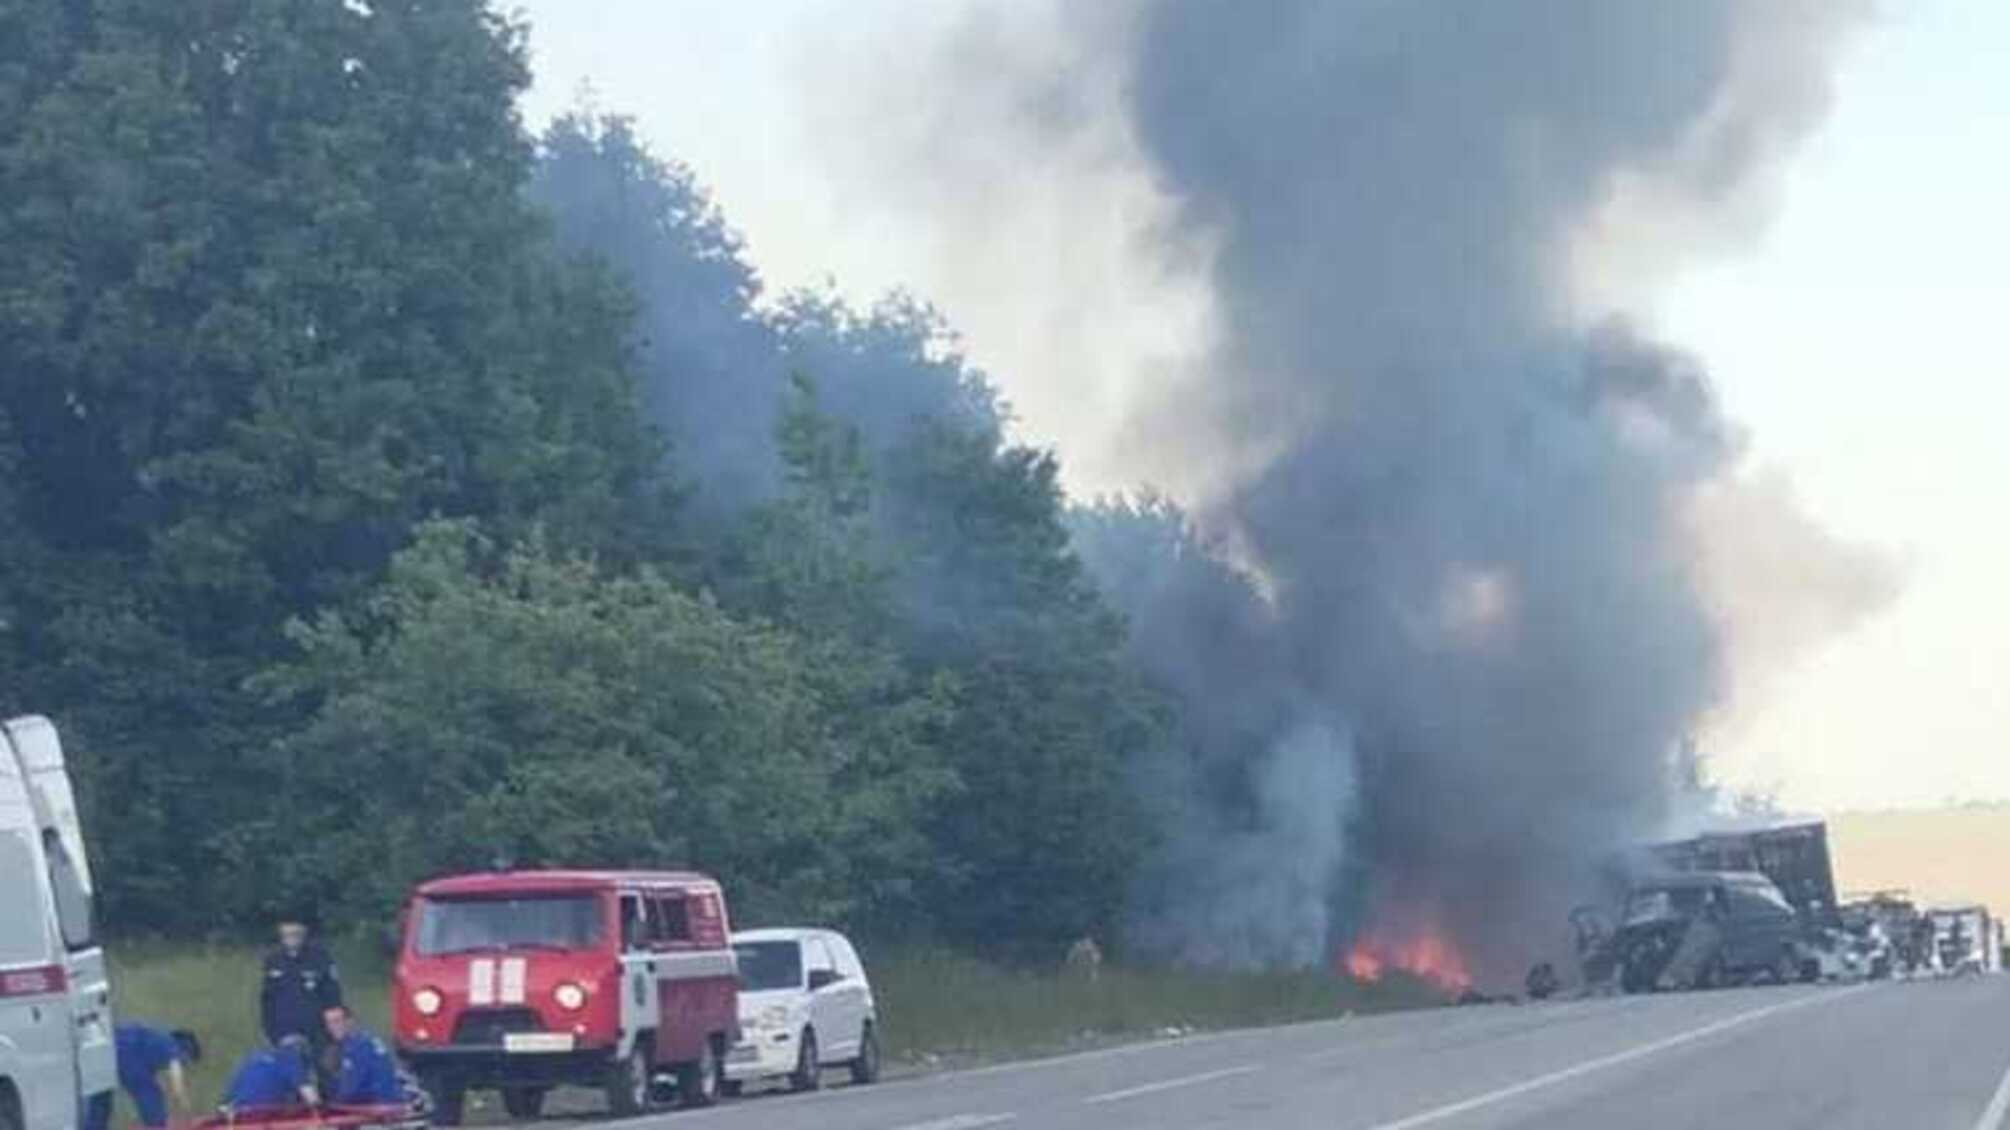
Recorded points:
(1899,1056)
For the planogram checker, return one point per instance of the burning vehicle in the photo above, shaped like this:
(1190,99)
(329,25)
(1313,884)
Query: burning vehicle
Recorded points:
(1794,857)
(1724,907)
(1700,930)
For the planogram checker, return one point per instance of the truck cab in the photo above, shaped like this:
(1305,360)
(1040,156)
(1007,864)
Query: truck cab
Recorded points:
(56,1051)
(522,981)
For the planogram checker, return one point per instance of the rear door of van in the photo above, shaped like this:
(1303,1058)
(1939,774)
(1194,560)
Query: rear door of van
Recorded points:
(35,1044)
(69,876)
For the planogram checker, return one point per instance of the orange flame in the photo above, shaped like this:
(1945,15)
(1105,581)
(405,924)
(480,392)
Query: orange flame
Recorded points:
(1362,964)
(1427,955)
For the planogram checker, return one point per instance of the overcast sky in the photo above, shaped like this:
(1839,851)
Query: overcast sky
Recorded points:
(1857,336)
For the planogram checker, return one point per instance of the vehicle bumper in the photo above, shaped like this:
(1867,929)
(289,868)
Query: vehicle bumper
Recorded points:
(486,1065)
(761,1054)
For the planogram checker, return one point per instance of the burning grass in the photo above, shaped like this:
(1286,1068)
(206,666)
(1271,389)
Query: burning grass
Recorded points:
(1427,956)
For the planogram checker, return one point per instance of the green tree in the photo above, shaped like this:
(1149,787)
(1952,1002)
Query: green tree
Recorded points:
(271,295)
(528,704)
(812,558)
(1041,842)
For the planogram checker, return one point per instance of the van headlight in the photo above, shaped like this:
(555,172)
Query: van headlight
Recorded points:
(569,996)
(773,1016)
(427,1001)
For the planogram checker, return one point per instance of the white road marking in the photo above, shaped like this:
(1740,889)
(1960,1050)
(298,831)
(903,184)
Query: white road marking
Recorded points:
(1450,1110)
(961,1122)
(1070,1058)
(1169,1084)
(1522,1023)
(1999,1105)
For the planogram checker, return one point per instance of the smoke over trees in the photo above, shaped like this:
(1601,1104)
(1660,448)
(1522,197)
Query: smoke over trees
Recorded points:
(1465,572)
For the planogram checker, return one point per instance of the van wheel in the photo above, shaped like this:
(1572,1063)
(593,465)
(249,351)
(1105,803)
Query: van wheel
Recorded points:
(627,1082)
(865,1069)
(10,1109)
(449,1097)
(698,1083)
(809,1074)
(524,1103)
(731,1088)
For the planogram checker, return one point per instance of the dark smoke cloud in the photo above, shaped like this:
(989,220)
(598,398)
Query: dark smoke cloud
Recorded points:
(1471,616)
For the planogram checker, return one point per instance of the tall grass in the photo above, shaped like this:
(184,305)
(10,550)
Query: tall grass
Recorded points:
(937,1008)
(941,1007)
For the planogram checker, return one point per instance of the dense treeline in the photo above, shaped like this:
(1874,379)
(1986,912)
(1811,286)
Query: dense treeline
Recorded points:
(387,490)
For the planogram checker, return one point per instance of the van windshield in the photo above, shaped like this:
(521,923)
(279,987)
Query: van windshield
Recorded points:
(530,921)
(769,965)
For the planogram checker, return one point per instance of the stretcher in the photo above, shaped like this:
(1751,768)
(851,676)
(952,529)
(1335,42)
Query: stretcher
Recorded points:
(391,1116)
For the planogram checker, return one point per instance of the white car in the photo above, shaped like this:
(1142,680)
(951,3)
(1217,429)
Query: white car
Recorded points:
(805,1005)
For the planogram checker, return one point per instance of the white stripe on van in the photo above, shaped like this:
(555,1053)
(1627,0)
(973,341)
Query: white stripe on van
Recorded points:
(482,981)
(512,980)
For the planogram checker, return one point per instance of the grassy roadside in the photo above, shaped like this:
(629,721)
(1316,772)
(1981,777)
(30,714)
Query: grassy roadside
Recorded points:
(938,1009)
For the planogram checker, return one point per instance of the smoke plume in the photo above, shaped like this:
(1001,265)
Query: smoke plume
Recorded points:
(1440,619)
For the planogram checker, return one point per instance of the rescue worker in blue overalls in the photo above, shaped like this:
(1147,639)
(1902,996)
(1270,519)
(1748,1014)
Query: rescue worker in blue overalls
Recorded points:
(298,983)
(273,1077)
(356,1066)
(144,1054)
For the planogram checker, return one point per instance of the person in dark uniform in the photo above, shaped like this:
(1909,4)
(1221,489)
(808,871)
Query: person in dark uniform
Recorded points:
(298,985)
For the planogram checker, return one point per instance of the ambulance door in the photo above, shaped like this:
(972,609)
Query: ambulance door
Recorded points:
(90,989)
(36,1054)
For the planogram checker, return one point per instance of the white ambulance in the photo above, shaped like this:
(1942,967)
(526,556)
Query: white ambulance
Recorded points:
(56,1052)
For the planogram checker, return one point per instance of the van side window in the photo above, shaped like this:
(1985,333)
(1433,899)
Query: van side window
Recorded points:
(635,927)
(673,920)
(73,902)
(24,938)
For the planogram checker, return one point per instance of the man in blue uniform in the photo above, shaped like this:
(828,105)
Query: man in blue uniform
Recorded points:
(360,1070)
(273,1077)
(144,1054)
(298,982)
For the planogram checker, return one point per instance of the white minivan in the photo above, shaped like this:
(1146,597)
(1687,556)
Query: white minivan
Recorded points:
(56,1051)
(805,1005)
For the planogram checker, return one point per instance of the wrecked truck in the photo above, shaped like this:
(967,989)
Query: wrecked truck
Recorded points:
(1703,929)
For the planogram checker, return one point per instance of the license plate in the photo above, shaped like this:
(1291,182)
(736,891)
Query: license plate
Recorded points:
(744,1053)
(537,1041)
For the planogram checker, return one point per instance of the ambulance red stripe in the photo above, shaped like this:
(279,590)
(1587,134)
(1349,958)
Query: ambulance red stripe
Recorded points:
(34,981)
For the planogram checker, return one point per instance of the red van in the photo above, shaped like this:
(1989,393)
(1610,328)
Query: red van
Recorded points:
(524,980)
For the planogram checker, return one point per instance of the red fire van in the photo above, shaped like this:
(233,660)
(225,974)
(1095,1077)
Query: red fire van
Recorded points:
(523,980)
